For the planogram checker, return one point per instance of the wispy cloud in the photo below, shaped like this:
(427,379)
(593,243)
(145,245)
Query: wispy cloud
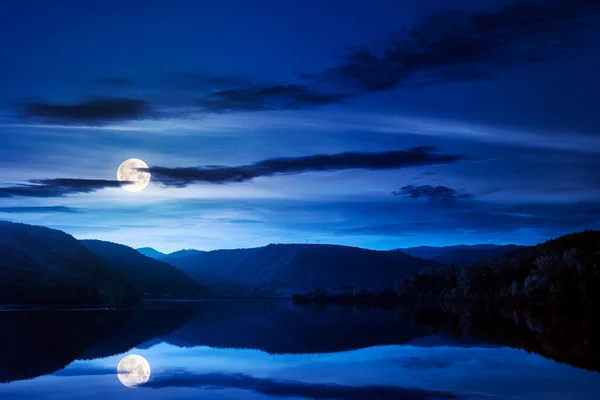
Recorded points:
(98,111)
(181,177)
(431,192)
(454,46)
(267,97)
(437,49)
(57,187)
(38,210)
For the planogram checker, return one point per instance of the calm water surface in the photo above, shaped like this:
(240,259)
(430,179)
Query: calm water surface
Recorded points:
(268,350)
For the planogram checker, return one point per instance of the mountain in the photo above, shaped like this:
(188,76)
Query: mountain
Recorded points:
(40,265)
(462,254)
(150,252)
(149,277)
(284,269)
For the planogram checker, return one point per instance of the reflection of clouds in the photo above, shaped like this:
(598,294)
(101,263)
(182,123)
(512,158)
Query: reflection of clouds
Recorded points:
(429,363)
(84,370)
(289,388)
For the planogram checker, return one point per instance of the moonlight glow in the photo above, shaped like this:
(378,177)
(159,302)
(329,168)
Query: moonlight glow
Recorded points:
(136,180)
(133,370)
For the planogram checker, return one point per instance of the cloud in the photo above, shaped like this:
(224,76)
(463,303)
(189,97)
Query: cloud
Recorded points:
(454,47)
(58,187)
(287,388)
(441,48)
(37,210)
(232,93)
(181,177)
(98,111)
(256,97)
(182,95)
(431,192)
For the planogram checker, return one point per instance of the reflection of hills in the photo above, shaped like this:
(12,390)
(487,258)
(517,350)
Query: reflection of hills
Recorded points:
(35,343)
(568,336)
(279,327)
(134,327)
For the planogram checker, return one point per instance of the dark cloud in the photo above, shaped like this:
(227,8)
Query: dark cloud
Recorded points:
(230,93)
(37,210)
(181,177)
(58,187)
(99,111)
(115,81)
(258,97)
(285,388)
(454,47)
(202,93)
(431,192)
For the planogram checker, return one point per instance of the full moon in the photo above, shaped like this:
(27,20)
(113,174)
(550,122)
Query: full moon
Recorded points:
(136,181)
(133,370)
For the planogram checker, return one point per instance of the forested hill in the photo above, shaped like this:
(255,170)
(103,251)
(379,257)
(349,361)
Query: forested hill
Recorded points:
(462,254)
(562,270)
(284,269)
(151,278)
(40,265)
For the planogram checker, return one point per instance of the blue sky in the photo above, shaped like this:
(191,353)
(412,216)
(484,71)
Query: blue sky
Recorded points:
(377,124)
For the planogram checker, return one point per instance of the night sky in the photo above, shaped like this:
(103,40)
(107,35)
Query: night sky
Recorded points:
(378,124)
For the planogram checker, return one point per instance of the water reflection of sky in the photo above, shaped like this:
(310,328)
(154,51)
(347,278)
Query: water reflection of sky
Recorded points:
(207,373)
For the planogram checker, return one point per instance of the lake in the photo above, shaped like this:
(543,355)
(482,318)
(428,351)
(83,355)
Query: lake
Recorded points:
(275,350)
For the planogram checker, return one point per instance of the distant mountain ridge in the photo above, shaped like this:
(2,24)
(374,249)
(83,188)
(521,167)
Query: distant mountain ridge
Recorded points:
(150,252)
(461,254)
(39,265)
(283,269)
(150,278)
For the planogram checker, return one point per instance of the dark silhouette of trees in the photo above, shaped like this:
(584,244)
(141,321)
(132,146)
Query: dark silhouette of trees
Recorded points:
(563,270)
(560,271)
(40,265)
